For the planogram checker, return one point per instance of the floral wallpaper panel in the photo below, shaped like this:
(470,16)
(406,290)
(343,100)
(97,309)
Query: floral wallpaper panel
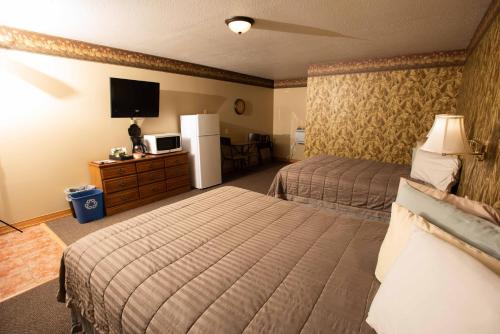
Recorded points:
(377,115)
(479,102)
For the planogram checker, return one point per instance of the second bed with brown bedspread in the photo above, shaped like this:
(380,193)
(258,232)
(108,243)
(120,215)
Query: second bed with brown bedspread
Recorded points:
(226,261)
(363,187)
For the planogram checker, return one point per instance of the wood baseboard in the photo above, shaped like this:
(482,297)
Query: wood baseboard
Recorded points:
(35,221)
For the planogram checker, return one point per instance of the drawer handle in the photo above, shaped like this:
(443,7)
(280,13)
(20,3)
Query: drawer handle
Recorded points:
(154,189)
(121,171)
(122,184)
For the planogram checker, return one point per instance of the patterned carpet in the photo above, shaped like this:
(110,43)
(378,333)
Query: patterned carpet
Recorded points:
(28,259)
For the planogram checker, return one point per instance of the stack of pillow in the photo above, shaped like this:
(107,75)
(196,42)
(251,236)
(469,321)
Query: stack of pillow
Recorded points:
(439,265)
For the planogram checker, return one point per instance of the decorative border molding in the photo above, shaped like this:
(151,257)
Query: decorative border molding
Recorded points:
(488,18)
(23,40)
(426,60)
(290,83)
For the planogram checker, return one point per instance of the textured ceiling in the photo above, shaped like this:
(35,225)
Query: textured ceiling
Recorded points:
(194,31)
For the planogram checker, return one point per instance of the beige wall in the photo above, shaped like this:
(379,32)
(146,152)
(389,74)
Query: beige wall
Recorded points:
(55,118)
(289,113)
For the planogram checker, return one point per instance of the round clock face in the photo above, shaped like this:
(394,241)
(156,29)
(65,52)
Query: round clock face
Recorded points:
(239,106)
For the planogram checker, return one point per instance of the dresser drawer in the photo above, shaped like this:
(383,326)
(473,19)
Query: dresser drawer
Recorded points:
(111,172)
(132,183)
(176,160)
(119,184)
(150,177)
(146,166)
(176,171)
(121,197)
(178,182)
(152,189)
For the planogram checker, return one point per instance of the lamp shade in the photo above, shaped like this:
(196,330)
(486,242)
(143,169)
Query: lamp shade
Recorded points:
(447,136)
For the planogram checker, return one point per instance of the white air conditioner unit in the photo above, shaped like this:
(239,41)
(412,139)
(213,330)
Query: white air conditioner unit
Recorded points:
(299,139)
(300,136)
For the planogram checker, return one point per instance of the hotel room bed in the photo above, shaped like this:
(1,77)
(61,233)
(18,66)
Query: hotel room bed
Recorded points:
(363,187)
(226,261)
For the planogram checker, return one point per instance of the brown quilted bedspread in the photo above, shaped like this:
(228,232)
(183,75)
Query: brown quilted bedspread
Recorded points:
(227,261)
(341,183)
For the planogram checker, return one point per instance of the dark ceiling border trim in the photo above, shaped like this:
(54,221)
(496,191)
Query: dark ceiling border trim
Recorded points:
(488,18)
(290,83)
(17,39)
(425,60)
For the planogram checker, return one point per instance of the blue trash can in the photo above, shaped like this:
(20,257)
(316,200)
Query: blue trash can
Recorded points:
(88,204)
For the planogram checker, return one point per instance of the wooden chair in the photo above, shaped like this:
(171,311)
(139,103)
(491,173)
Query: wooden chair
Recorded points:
(237,159)
(264,146)
(253,149)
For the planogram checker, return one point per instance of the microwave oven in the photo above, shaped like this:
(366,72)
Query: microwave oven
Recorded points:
(163,143)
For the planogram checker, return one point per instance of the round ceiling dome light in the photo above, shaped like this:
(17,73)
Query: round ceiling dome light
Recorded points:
(240,24)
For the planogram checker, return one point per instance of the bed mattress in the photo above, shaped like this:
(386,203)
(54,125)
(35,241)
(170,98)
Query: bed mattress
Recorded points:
(363,187)
(226,261)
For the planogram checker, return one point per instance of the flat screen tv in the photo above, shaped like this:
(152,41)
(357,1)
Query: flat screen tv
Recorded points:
(133,98)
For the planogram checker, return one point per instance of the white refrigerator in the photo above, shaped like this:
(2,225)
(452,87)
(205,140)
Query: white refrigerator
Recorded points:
(201,138)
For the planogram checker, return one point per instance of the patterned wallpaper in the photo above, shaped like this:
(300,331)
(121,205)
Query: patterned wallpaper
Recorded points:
(377,115)
(479,102)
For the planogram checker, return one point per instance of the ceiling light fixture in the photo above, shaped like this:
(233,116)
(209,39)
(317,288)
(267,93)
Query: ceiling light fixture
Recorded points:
(240,24)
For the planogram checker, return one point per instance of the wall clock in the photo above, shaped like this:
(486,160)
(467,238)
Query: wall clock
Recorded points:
(239,106)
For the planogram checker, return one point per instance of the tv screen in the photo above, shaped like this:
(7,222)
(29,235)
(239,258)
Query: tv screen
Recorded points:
(132,98)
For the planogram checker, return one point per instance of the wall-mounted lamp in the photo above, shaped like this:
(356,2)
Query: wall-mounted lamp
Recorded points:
(447,137)
(240,24)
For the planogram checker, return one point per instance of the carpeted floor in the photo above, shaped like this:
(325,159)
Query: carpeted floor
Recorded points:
(36,311)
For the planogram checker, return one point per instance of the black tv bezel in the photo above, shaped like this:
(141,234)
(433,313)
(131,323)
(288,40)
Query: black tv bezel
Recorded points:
(157,84)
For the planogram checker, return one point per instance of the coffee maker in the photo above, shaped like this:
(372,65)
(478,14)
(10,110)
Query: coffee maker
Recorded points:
(134,131)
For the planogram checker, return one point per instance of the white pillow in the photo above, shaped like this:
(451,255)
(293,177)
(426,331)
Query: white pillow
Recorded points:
(400,230)
(441,171)
(434,287)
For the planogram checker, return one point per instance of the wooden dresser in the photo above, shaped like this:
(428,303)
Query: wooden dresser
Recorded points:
(132,183)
